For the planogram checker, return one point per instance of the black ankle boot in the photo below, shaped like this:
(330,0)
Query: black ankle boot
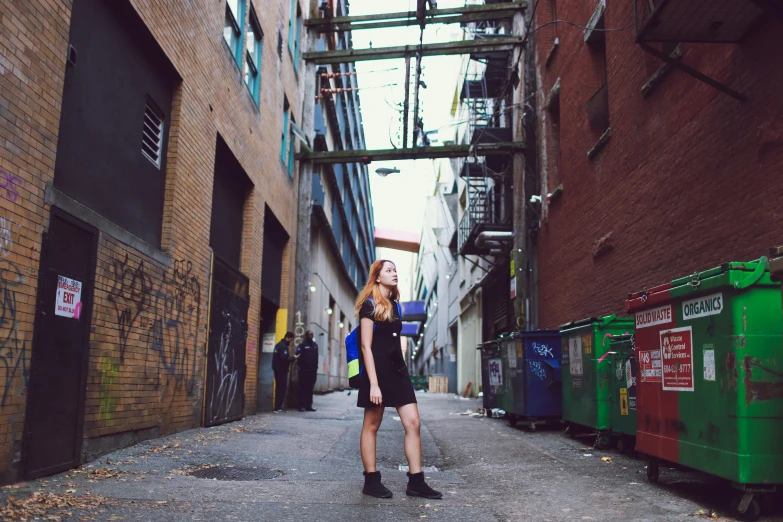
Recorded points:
(373,486)
(418,488)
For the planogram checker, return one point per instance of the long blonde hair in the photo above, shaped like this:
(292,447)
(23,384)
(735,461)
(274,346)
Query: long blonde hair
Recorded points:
(383,305)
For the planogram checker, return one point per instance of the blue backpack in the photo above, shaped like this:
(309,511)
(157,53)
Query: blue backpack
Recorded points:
(353,353)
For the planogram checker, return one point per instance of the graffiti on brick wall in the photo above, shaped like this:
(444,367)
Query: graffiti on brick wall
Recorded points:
(109,377)
(9,182)
(163,315)
(176,309)
(129,295)
(7,228)
(225,379)
(13,350)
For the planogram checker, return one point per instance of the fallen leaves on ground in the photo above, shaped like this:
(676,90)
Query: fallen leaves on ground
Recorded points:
(606,459)
(706,513)
(16,486)
(187,470)
(47,506)
(103,473)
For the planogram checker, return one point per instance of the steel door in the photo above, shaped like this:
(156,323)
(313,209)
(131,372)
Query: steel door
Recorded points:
(55,398)
(225,390)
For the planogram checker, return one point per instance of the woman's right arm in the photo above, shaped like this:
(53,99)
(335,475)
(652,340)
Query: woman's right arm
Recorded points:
(367,325)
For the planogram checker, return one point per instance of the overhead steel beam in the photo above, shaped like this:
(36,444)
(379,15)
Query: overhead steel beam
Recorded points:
(405,102)
(442,151)
(473,13)
(501,43)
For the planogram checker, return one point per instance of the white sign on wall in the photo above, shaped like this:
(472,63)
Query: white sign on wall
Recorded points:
(68,302)
(269,343)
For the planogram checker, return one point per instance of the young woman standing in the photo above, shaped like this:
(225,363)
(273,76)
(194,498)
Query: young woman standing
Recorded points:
(385,382)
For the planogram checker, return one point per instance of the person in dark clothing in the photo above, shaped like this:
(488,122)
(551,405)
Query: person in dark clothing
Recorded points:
(385,382)
(307,352)
(281,359)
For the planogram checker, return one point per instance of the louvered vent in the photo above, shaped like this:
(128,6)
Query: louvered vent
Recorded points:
(152,137)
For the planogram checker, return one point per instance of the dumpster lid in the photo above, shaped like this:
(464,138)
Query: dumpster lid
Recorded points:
(644,299)
(487,344)
(553,363)
(751,271)
(757,267)
(602,321)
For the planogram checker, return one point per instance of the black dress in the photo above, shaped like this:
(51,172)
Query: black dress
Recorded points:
(393,379)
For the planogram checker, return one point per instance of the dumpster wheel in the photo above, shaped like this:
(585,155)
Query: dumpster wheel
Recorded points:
(603,441)
(746,505)
(653,471)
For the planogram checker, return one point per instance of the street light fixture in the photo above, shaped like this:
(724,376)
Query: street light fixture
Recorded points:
(383,172)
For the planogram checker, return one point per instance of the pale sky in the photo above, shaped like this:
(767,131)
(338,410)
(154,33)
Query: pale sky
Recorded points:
(399,199)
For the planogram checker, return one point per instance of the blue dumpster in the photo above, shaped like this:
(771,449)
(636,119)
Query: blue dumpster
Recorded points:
(532,360)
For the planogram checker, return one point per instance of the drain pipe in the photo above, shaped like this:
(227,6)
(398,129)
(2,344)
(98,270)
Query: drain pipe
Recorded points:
(494,238)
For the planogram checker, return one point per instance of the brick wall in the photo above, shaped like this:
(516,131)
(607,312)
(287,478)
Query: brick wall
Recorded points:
(32,56)
(689,179)
(146,367)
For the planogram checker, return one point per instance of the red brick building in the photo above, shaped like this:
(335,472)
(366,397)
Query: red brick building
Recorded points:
(653,173)
(148,180)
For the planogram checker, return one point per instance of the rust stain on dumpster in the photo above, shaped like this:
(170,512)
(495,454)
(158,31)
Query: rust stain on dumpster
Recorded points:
(731,370)
(756,391)
(744,319)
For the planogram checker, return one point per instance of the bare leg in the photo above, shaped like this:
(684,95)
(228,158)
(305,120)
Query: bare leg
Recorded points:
(372,421)
(409,415)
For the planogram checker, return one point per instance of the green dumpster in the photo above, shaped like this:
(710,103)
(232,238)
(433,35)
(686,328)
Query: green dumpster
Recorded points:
(710,391)
(624,375)
(505,393)
(586,371)
(492,377)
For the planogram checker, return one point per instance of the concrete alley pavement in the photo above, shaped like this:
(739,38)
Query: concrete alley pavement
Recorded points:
(306,467)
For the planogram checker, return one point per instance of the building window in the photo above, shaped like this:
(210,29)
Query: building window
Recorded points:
(295,33)
(287,148)
(598,104)
(232,27)
(231,189)
(284,139)
(253,56)
(291,149)
(152,133)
